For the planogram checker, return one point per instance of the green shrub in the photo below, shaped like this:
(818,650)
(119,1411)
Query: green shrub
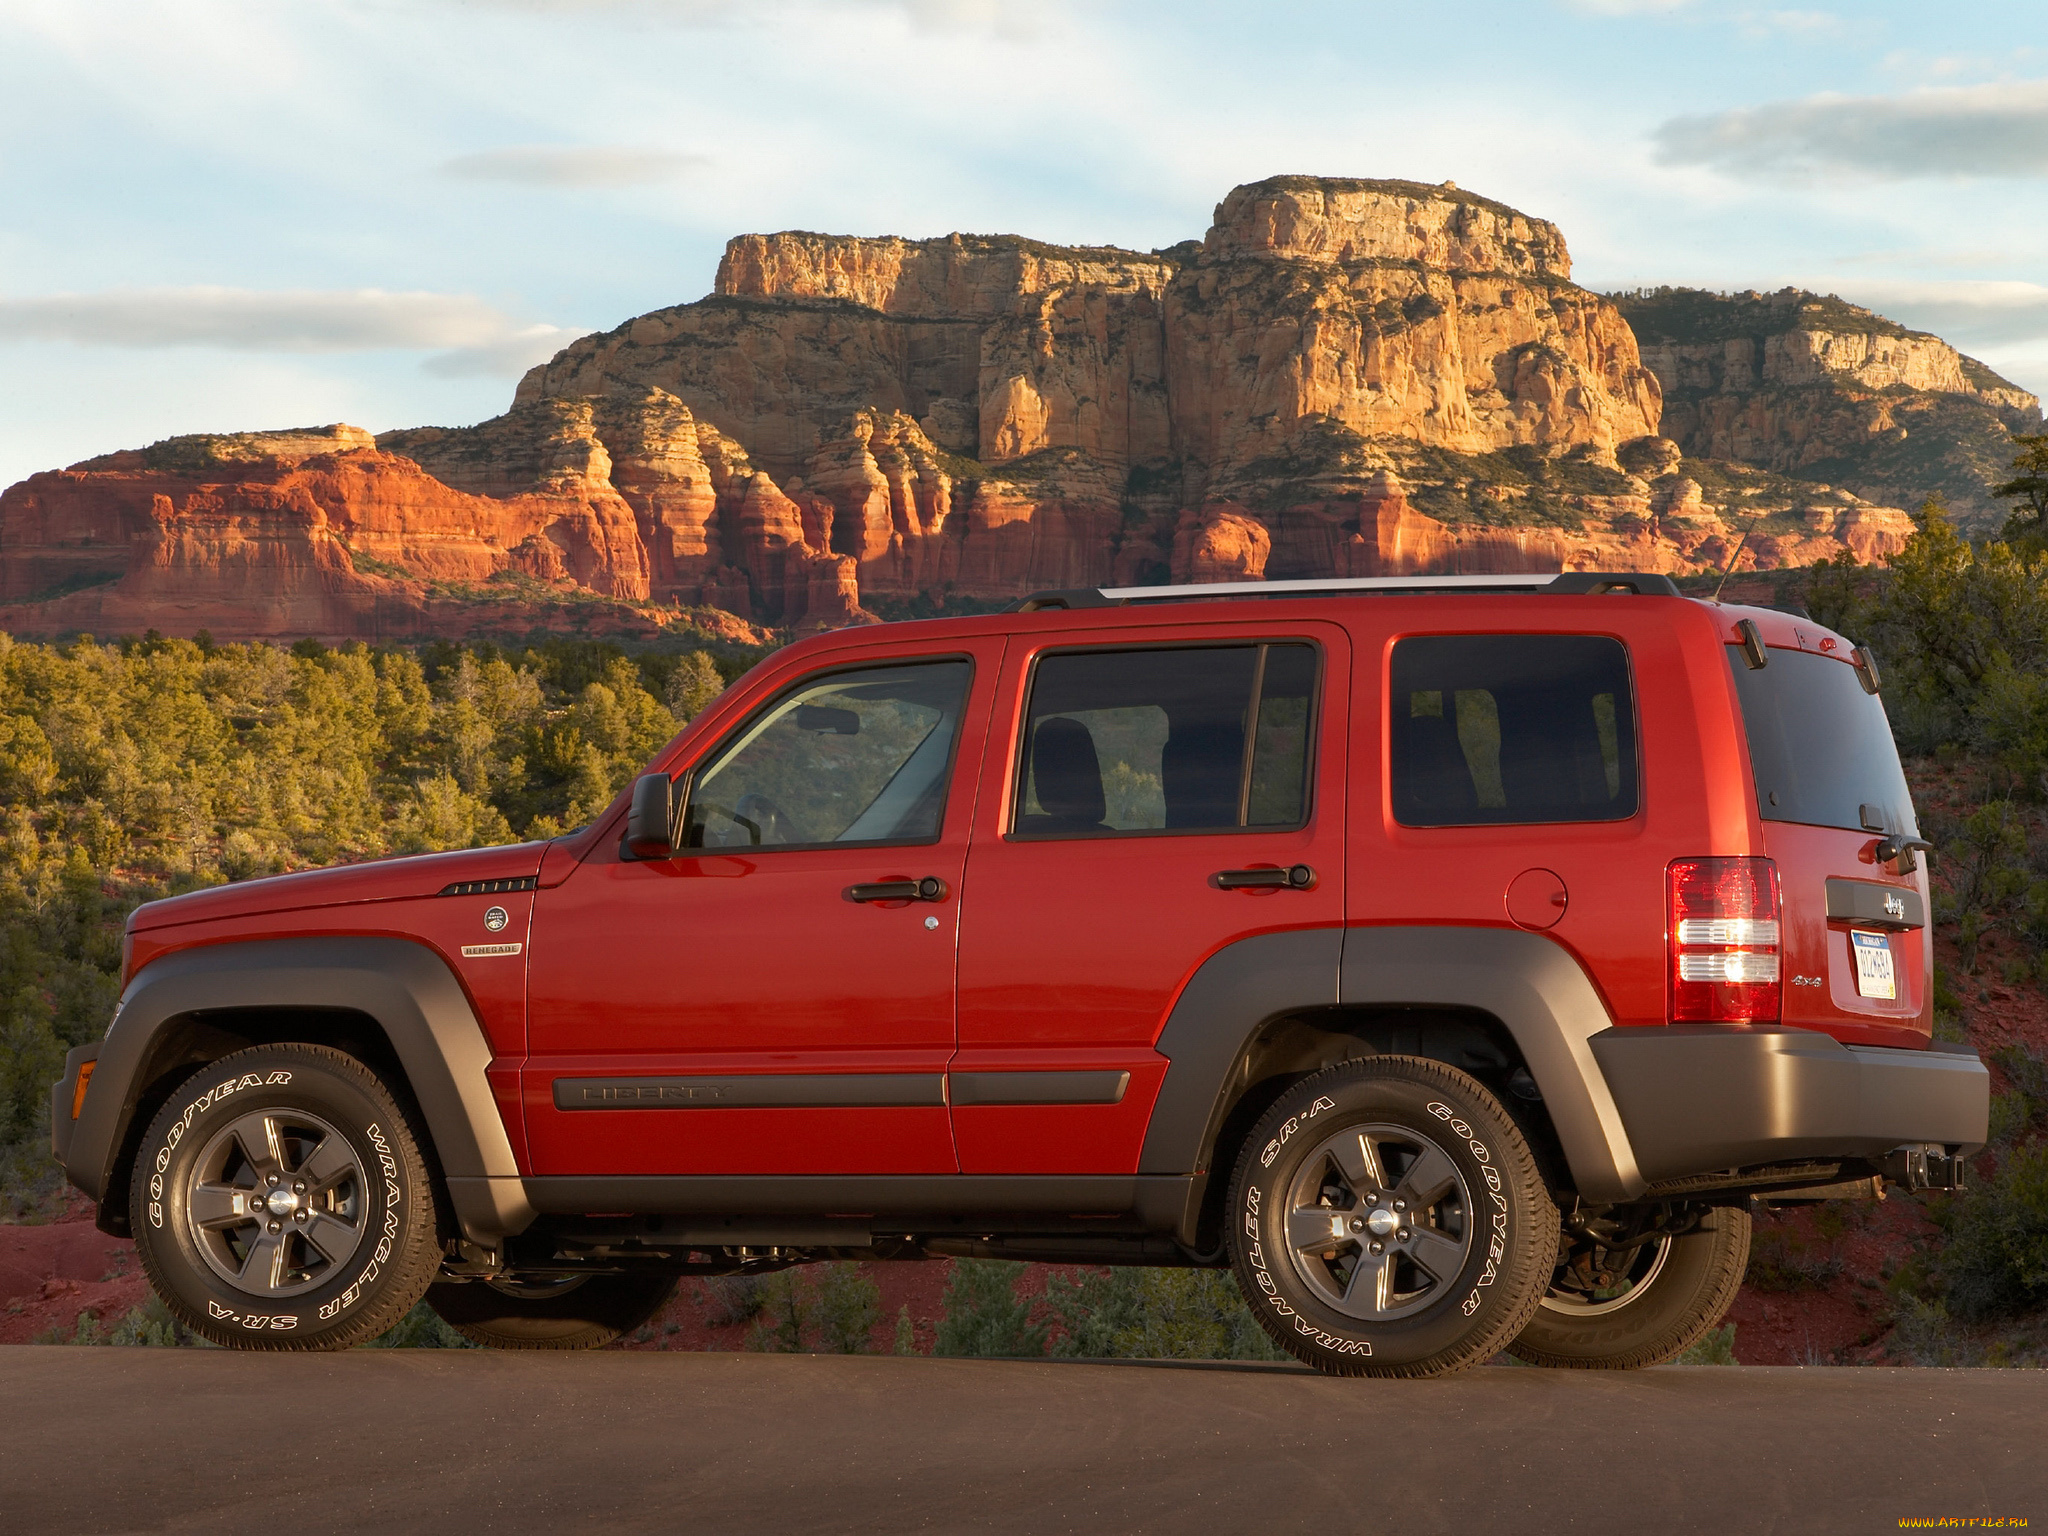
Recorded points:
(984,1315)
(1995,1260)
(830,1309)
(1156,1314)
(421,1328)
(1714,1348)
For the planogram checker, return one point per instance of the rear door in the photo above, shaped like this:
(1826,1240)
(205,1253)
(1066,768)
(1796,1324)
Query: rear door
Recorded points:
(1858,954)
(1140,804)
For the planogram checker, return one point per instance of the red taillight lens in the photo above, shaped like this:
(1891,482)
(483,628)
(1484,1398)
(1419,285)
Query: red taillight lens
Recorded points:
(1723,941)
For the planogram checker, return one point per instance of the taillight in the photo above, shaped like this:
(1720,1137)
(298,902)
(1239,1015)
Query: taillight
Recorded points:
(1723,940)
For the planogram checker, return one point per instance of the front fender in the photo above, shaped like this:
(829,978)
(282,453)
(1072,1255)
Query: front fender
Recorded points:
(403,986)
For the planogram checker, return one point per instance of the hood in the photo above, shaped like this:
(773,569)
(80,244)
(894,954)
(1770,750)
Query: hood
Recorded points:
(344,885)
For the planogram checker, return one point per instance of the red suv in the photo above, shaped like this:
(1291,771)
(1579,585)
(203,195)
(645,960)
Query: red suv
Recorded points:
(1456,958)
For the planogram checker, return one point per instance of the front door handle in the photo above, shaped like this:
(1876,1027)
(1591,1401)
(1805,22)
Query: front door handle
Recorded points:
(1297,877)
(930,888)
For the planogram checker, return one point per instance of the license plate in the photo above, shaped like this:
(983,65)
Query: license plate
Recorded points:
(1874,974)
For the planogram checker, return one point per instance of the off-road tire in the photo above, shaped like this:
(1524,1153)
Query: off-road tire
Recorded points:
(205,1158)
(590,1313)
(1690,1290)
(1446,1294)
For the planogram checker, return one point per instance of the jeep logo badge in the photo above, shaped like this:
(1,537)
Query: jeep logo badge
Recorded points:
(495,919)
(1894,905)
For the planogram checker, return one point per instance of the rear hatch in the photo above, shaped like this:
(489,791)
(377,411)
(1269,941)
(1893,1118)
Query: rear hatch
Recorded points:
(1857,956)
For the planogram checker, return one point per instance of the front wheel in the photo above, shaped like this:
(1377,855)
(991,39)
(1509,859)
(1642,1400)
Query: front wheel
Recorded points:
(280,1202)
(551,1312)
(1386,1219)
(1618,1309)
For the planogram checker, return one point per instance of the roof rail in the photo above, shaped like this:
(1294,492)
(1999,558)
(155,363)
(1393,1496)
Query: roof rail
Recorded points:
(1565,584)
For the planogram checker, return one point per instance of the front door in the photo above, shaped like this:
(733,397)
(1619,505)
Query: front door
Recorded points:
(777,998)
(1140,804)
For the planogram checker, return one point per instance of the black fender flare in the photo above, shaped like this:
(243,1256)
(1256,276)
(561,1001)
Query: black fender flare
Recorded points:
(1531,984)
(403,986)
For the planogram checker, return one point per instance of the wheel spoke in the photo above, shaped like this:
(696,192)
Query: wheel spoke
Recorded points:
(1371,1291)
(264,1269)
(333,1238)
(1436,1254)
(260,1143)
(1359,1161)
(328,1164)
(1316,1229)
(217,1207)
(1428,1180)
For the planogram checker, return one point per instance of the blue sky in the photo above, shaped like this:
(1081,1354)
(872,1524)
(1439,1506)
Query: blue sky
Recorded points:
(231,214)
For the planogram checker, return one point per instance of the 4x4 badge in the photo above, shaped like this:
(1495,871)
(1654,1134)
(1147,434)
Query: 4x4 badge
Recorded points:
(495,919)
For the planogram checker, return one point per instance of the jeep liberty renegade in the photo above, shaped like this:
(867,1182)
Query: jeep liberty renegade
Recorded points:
(1454,958)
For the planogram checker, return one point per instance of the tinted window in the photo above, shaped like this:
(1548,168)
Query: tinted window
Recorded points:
(851,757)
(1819,746)
(1156,740)
(1512,728)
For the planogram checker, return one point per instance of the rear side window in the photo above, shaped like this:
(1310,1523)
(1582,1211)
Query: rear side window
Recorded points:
(1512,728)
(1819,746)
(1167,739)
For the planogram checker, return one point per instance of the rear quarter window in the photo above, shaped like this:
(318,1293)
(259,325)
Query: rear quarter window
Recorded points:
(1820,746)
(1493,729)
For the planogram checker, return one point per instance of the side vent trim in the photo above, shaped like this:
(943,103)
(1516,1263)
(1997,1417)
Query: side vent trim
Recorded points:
(491,887)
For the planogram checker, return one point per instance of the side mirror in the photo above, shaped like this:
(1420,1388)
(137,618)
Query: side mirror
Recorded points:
(650,822)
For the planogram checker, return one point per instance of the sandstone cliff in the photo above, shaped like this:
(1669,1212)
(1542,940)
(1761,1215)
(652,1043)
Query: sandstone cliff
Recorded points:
(1811,386)
(1343,377)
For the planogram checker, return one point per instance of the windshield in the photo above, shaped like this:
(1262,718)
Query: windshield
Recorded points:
(1819,746)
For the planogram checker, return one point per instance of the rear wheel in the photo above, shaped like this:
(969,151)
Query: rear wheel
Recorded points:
(1617,1309)
(552,1312)
(1386,1219)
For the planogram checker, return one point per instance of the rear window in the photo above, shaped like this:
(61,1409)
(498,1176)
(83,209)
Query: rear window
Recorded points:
(1512,728)
(1819,746)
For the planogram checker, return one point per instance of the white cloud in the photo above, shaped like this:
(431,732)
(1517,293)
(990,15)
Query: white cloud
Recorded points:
(505,358)
(1976,130)
(470,336)
(567,166)
(1967,314)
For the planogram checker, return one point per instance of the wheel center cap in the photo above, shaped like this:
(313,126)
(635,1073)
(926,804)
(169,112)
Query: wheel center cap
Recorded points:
(280,1202)
(1379,1223)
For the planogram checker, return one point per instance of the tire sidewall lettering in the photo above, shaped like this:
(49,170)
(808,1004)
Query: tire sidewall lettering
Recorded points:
(1497,1226)
(1294,1123)
(385,1171)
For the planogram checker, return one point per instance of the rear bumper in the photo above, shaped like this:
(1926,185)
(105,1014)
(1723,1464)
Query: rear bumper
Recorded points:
(1701,1099)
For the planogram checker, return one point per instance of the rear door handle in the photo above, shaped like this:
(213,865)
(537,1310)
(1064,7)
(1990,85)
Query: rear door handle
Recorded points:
(1297,877)
(930,888)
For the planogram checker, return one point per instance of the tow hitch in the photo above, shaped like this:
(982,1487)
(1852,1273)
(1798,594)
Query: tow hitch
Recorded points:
(1925,1166)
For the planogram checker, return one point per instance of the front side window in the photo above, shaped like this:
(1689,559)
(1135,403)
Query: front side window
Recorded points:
(849,757)
(1167,739)
(1512,728)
